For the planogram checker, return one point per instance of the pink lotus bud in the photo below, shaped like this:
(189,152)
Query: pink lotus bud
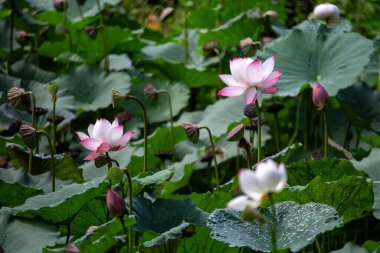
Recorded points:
(71,248)
(247,42)
(115,203)
(91,229)
(320,96)
(22,37)
(150,92)
(90,31)
(166,13)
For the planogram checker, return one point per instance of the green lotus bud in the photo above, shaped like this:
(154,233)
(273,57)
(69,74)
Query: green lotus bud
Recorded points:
(116,175)
(53,89)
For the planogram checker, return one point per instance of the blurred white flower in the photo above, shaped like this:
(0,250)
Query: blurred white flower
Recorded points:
(327,12)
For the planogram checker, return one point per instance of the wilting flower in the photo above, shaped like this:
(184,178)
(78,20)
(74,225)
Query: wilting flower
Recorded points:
(256,185)
(104,137)
(327,12)
(249,76)
(115,203)
(320,96)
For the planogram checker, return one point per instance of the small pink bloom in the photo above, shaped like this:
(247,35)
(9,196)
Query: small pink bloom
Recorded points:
(104,137)
(320,96)
(248,77)
(115,203)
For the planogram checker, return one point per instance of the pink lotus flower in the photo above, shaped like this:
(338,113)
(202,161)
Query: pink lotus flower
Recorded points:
(320,96)
(249,76)
(104,137)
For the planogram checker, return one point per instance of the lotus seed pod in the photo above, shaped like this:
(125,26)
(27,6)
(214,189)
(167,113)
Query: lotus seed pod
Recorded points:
(164,155)
(29,135)
(117,98)
(191,131)
(53,89)
(19,99)
(250,111)
(60,5)
(274,108)
(116,175)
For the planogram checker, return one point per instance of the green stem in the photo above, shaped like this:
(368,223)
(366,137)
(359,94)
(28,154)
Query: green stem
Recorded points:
(130,208)
(296,129)
(54,99)
(214,156)
(318,245)
(358,135)
(52,158)
(276,133)
(33,98)
(248,158)
(258,132)
(347,136)
(125,231)
(68,223)
(109,160)
(325,133)
(30,161)
(145,169)
(105,39)
(171,119)
(12,19)
(186,38)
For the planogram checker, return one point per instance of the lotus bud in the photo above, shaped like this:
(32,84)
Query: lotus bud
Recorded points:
(115,203)
(60,5)
(166,13)
(327,12)
(265,40)
(164,155)
(320,96)
(71,248)
(236,133)
(81,2)
(191,131)
(116,175)
(22,37)
(19,98)
(246,43)
(250,111)
(117,98)
(53,89)
(29,135)
(150,92)
(124,117)
(90,30)
(253,125)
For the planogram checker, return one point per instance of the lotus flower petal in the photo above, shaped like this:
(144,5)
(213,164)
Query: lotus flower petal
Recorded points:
(255,72)
(238,68)
(232,91)
(250,95)
(82,136)
(91,143)
(268,66)
(250,185)
(230,81)
(92,156)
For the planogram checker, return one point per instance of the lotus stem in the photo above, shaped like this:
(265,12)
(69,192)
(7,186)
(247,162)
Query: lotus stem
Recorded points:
(105,39)
(276,133)
(258,132)
(54,100)
(318,245)
(12,26)
(296,129)
(52,159)
(125,231)
(130,208)
(145,169)
(171,119)
(214,155)
(358,135)
(325,133)
(347,137)
(186,38)
(33,98)
(68,225)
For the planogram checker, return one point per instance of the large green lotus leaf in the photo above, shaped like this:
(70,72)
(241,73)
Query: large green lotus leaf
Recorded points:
(370,165)
(5,141)
(296,225)
(350,248)
(242,26)
(155,178)
(360,103)
(335,60)
(329,169)
(371,71)
(14,194)
(26,235)
(160,140)
(351,195)
(5,38)
(372,246)
(179,72)
(104,239)
(158,110)
(65,168)
(22,177)
(91,87)
(162,214)
(168,241)
(28,71)
(60,205)
(316,25)
(7,82)
(202,17)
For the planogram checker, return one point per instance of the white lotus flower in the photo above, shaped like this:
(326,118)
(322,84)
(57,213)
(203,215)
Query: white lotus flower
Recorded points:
(256,185)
